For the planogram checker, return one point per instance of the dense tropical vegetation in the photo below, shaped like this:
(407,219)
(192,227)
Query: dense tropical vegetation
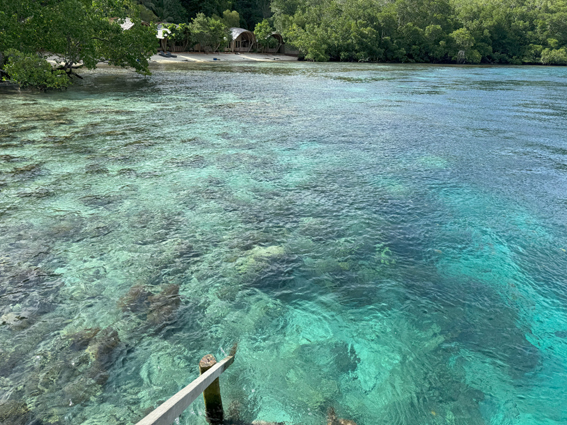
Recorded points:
(438,31)
(75,33)
(86,32)
(503,31)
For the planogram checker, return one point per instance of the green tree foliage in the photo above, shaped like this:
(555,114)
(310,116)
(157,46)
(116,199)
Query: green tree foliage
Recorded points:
(179,35)
(207,7)
(29,69)
(252,11)
(473,31)
(231,18)
(464,42)
(554,56)
(504,31)
(144,13)
(263,33)
(76,32)
(209,33)
(171,11)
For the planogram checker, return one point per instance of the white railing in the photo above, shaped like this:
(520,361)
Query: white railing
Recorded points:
(174,407)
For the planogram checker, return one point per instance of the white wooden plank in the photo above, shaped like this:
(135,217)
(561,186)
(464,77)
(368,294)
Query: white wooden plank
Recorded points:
(174,407)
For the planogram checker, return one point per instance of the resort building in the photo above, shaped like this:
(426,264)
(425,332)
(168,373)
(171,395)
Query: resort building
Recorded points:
(277,46)
(242,40)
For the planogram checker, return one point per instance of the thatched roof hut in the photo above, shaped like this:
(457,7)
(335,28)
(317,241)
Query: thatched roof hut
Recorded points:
(242,40)
(278,37)
(278,46)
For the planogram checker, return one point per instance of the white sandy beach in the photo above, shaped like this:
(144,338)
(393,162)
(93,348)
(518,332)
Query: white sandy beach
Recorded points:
(227,57)
(211,57)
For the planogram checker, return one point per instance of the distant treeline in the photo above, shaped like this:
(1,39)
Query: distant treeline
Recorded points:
(475,31)
(434,31)
(250,12)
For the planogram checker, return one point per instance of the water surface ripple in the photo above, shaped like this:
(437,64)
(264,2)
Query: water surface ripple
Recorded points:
(386,240)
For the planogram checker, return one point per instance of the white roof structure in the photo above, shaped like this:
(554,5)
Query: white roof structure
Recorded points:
(237,32)
(162,32)
(127,24)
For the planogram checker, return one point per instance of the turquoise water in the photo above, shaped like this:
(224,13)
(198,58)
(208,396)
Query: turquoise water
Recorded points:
(386,240)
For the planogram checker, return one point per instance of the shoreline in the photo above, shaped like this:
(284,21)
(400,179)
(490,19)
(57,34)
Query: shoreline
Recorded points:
(197,57)
(188,57)
(223,57)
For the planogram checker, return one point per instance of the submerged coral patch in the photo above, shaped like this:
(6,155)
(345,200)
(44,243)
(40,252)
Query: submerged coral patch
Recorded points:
(379,254)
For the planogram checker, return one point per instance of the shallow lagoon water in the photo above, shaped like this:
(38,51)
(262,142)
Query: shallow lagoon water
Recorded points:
(388,240)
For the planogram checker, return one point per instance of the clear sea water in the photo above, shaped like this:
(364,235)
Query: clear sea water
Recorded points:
(386,240)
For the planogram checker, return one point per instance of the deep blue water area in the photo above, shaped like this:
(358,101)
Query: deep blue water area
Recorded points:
(386,240)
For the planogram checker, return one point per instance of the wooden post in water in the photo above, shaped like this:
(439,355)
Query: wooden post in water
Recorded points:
(212,395)
(167,412)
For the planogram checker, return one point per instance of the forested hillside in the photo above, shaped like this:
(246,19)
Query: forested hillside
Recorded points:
(490,31)
(177,11)
(468,31)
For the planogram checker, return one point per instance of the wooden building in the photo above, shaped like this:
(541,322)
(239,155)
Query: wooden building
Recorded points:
(277,48)
(242,40)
